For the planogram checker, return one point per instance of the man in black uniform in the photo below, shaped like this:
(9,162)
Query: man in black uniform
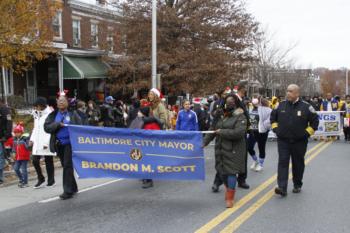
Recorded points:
(294,121)
(5,133)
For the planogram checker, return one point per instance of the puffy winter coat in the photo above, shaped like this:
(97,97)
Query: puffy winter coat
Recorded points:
(20,147)
(41,139)
(230,143)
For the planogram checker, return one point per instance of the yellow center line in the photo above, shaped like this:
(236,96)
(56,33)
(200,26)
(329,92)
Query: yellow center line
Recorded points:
(233,226)
(244,200)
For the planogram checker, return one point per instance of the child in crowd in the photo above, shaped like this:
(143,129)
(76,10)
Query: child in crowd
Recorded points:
(21,152)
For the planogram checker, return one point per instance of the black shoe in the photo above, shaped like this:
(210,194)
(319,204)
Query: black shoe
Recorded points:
(39,184)
(65,196)
(1,182)
(53,184)
(296,189)
(243,185)
(215,188)
(281,192)
(147,184)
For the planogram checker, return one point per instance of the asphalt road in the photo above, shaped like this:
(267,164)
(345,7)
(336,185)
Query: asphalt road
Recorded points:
(123,206)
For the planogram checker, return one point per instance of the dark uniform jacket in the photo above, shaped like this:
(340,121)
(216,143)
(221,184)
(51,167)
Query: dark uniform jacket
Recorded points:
(52,127)
(230,145)
(294,122)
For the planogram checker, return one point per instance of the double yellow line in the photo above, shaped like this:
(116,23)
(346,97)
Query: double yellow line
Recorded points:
(243,201)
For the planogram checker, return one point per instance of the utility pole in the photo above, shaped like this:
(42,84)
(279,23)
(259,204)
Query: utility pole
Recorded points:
(347,82)
(154,43)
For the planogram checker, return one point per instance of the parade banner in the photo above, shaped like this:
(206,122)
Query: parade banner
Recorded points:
(330,124)
(136,154)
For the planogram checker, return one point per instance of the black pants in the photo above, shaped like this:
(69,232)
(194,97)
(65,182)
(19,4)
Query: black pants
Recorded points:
(50,170)
(261,139)
(347,133)
(65,154)
(243,176)
(296,151)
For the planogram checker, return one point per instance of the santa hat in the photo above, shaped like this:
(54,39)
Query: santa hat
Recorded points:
(19,128)
(196,101)
(227,90)
(156,92)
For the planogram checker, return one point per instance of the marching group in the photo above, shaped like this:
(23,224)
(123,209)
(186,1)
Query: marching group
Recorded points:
(238,123)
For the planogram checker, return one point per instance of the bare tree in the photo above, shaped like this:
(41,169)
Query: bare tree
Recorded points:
(272,60)
(202,44)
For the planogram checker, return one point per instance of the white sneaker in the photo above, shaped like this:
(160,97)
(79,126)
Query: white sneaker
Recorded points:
(254,165)
(259,168)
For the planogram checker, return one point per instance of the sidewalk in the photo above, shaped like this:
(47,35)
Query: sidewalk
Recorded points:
(11,177)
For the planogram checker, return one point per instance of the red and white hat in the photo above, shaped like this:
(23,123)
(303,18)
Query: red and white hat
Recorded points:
(196,101)
(62,93)
(156,92)
(227,90)
(19,128)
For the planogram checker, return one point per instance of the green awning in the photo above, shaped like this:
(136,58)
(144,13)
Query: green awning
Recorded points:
(83,68)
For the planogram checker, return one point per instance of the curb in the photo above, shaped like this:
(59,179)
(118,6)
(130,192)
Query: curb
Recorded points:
(31,174)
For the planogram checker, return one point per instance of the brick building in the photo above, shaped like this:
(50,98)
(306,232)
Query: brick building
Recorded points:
(85,31)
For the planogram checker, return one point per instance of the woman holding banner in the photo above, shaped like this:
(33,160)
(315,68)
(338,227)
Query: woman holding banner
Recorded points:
(230,146)
(154,115)
(56,125)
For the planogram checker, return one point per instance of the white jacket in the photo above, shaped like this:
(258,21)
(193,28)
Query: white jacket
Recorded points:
(264,119)
(39,137)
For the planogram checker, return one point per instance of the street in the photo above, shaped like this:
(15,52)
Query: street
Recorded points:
(123,206)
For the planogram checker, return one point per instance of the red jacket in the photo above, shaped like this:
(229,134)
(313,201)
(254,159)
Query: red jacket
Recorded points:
(19,147)
(151,126)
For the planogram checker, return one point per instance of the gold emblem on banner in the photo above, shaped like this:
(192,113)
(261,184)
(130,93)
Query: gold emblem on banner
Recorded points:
(136,154)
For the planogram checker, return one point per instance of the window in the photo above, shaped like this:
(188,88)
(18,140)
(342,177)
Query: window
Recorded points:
(110,41)
(76,33)
(94,35)
(57,26)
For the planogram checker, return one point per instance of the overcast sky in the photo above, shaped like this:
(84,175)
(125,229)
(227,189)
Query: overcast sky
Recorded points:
(321,28)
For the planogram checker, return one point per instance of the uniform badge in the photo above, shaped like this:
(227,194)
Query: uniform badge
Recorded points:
(299,113)
(8,117)
(68,118)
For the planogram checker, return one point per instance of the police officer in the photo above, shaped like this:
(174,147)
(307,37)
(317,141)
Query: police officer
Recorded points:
(294,121)
(5,133)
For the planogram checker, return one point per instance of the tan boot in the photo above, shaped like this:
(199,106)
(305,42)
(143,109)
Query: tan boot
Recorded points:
(229,197)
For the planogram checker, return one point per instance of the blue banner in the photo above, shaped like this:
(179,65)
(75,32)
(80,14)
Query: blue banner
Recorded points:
(137,154)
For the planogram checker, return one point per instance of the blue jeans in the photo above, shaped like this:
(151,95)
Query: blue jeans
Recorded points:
(230,181)
(2,162)
(21,170)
